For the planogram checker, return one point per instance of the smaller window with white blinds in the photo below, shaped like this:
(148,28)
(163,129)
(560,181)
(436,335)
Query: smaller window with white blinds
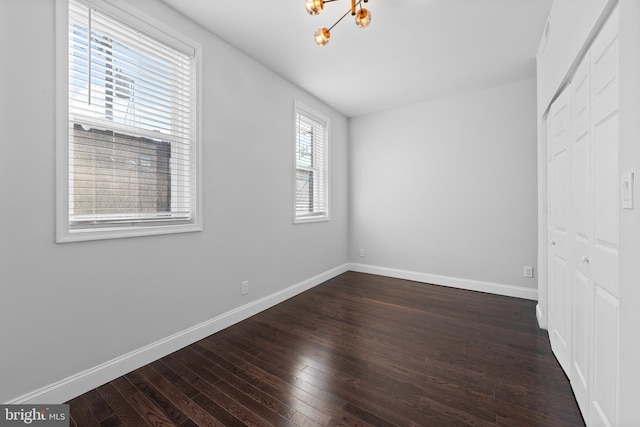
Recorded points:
(311,165)
(127,152)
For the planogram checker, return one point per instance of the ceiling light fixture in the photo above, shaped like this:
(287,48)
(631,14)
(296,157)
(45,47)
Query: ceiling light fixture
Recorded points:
(323,34)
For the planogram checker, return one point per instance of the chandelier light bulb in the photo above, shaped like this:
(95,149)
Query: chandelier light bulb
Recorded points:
(314,7)
(321,36)
(363,17)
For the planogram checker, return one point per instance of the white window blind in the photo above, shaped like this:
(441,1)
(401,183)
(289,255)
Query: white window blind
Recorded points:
(131,125)
(311,175)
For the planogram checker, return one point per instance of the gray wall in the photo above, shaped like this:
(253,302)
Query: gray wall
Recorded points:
(65,308)
(448,186)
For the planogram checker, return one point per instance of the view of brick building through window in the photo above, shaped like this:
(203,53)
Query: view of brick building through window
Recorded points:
(115,173)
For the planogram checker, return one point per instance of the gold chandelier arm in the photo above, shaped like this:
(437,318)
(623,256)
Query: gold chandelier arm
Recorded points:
(338,21)
(355,3)
(353,7)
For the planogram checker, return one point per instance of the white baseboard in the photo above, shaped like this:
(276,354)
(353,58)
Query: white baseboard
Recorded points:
(542,319)
(454,282)
(80,383)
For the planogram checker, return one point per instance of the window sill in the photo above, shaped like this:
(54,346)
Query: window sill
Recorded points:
(306,220)
(65,236)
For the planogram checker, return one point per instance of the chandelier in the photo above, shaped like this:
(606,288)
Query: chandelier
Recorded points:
(322,34)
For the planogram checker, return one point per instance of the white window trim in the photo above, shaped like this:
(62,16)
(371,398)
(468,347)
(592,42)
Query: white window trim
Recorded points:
(125,12)
(299,106)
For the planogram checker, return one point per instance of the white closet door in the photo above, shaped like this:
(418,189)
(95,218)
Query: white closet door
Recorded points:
(602,256)
(584,201)
(580,230)
(559,294)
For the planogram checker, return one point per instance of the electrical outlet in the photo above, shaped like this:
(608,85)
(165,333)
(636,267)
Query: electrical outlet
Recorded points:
(361,251)
(528,271)
(245,287)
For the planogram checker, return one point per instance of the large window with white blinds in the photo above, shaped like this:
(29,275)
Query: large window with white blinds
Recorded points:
(128,150)
(311,165)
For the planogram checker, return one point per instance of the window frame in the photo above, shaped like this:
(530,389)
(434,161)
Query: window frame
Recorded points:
(311,114)
(133,17)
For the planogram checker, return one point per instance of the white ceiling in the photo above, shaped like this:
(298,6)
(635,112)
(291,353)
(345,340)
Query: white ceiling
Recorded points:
(413,50)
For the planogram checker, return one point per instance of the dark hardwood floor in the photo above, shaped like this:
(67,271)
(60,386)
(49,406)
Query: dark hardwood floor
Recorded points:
(358,350)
